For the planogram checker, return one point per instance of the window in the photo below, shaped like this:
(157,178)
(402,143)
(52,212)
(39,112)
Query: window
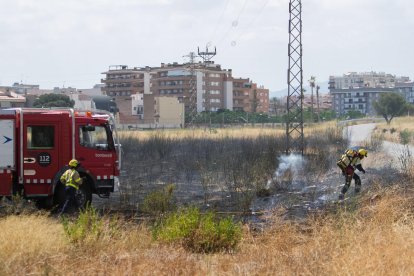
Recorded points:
(94,137)
(40,137)
(214,100)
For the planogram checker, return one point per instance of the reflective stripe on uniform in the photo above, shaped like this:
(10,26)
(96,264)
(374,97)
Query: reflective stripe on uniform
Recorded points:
(68,178)
(74,186)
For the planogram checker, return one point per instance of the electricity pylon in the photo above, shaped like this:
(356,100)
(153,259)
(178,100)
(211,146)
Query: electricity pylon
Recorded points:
(294,122)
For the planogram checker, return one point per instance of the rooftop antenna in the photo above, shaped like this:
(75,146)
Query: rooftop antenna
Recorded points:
(294,121)
(206,56)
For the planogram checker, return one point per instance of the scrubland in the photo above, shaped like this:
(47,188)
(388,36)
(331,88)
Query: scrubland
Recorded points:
(372,235)
(368,234)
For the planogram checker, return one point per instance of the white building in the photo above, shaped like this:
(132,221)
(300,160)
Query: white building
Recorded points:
(358,91)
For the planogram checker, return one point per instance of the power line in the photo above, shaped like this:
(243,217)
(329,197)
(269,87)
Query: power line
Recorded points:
(234,24)
(212,36)
(252,21)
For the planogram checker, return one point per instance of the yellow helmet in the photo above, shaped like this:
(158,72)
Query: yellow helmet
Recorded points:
(73,163)
(363,152)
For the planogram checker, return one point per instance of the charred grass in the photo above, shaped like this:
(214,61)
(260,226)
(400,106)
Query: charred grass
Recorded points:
(226,168)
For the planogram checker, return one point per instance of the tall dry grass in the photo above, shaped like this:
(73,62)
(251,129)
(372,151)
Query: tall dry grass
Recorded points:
(372,236)
(219,133)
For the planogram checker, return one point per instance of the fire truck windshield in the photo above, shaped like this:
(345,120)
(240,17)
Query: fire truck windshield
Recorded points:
(95,137)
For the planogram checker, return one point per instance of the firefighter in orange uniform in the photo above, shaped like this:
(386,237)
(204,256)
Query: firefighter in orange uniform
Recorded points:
(72,180)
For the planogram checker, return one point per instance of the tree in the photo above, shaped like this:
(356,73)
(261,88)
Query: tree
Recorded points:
(53,100)
(390,105)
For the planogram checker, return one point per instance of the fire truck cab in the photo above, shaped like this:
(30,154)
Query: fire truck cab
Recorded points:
(37,144)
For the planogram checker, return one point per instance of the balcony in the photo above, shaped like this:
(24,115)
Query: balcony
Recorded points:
(129,80)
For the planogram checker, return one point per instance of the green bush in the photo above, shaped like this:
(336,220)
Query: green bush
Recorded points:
(89,226)
(198,232)
(405,136)
(159,201)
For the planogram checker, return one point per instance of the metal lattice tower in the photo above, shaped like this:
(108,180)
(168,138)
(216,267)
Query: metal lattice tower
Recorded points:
(192,84)
(294,123)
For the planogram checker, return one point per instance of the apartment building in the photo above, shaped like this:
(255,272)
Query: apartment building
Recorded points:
(208,88)
(358,91)
(367,79)
(10,99)
(200,86)
(21,88)
(248,97)
(407,89)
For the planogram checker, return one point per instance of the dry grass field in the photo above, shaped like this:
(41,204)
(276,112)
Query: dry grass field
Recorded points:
(374,236)
(369,234)
(200,133)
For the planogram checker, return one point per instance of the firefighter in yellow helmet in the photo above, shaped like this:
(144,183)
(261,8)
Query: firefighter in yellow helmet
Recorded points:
(348,162)
(72,180)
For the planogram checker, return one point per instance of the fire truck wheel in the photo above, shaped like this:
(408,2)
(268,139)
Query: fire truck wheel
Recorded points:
(84,195)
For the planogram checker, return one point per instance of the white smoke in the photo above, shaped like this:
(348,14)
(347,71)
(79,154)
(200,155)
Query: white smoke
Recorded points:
(293,162)
(289,167)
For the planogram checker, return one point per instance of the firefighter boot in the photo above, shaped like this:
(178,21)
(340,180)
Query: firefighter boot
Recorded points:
(357,185)
(345,188)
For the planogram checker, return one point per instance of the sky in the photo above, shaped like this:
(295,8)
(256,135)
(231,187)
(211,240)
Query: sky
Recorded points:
(62,43)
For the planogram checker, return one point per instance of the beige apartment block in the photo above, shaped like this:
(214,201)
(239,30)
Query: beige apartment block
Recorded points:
(163,111)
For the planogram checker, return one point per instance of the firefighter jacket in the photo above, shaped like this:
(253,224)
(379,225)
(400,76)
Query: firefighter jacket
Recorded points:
(350,159)
(71,178)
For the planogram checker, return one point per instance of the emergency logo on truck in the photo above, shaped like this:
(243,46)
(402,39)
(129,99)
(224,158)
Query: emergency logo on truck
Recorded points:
(44,159)
(6,139)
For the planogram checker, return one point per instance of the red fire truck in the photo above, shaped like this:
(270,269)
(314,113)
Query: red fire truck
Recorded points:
(37,144)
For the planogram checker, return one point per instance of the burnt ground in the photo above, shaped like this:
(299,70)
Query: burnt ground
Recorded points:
(307,193)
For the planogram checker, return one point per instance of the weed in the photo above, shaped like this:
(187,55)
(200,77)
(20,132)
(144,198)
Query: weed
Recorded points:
(160,201)
(406,161)
(198,232)
(89,226)
(405,136)
(17,205)
(375,142)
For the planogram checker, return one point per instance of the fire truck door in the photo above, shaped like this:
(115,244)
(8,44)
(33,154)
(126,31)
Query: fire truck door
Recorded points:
(96,152)
(40,157)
